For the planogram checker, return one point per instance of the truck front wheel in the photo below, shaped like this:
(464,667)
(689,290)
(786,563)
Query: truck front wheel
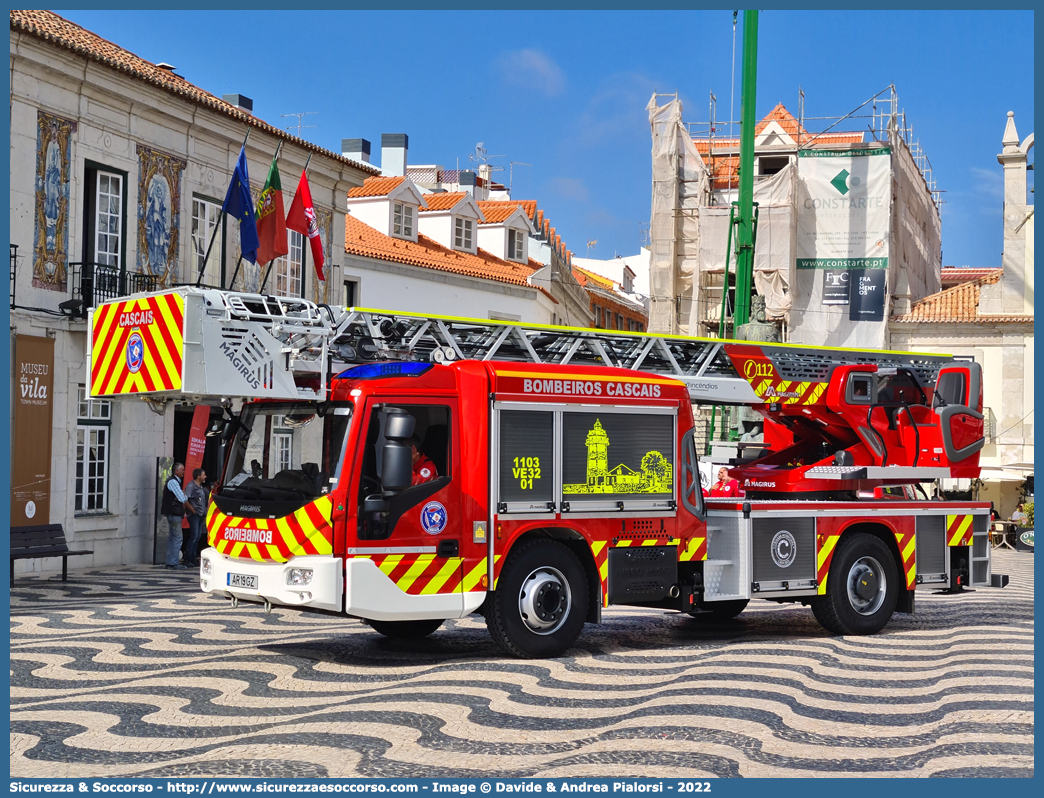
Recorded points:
(862,587)
(540,602)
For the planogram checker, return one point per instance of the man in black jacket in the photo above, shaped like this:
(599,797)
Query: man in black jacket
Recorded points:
(173,507)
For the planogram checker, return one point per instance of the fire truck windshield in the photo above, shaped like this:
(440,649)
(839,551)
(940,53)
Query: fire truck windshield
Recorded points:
(286,451)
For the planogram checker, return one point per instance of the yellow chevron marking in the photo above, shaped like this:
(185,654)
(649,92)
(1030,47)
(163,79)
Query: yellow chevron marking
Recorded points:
(597,546)
(822,586)
(474,576)
(690,551)
(414,572)
(909,550)
(825,551)
(965,523)
(437,581)
(388,564)
(816,393)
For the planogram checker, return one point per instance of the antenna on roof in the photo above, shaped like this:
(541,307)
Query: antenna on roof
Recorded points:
(481,156)
(590,244)
(300,117)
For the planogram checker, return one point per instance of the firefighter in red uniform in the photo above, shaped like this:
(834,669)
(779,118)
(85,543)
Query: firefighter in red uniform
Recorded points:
(725,486)
(423,468)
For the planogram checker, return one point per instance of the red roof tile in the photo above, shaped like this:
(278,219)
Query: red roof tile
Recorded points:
(497,211)
(724,167)
(443,202)
(959,304)
(364,241)
(56,30)
(376,187)
(951,275)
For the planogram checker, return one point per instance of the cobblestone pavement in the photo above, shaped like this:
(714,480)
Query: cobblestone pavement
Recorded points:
(133,672)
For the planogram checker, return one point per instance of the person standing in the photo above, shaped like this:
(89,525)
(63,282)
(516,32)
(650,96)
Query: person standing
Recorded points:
(174,506)
(198,500)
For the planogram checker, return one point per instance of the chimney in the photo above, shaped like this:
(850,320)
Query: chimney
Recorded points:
(356,149)
(240,102)
(393,154)
(467,182)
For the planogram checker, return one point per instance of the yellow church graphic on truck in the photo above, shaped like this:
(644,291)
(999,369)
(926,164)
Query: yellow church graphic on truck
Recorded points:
(656,474)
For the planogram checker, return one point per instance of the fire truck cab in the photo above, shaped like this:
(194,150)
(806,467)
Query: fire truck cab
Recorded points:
(536,470)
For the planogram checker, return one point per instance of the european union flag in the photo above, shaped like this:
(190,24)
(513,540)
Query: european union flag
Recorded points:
(240,206)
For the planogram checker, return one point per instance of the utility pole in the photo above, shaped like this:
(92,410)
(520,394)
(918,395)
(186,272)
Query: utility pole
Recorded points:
(745,210)
(300,118)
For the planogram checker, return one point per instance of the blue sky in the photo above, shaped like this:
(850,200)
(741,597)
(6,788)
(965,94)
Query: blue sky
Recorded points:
(566,91)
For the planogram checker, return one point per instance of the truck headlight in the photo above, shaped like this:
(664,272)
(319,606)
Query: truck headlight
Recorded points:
(205,566)
(299,576)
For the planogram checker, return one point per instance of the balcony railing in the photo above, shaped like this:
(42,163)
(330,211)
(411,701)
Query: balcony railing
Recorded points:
(94,283)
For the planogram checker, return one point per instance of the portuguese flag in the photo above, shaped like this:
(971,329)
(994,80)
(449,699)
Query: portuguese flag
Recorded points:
(271,221)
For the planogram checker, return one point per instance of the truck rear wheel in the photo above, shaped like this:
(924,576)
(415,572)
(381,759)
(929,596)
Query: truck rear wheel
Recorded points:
(862,587)
(540,603)
(406,630)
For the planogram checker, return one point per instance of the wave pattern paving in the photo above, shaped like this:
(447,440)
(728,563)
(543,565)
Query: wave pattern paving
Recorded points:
(132,672)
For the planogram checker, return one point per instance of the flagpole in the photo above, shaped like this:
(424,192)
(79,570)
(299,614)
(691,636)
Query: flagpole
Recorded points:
(235,272)
(268,274)
(217,227)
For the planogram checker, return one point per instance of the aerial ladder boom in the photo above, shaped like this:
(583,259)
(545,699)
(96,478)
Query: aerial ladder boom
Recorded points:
(213,344)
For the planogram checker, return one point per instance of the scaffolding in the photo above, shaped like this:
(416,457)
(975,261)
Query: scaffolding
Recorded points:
(697,289)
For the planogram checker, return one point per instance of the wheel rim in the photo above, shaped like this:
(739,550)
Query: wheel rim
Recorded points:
(867,586)
(544,600)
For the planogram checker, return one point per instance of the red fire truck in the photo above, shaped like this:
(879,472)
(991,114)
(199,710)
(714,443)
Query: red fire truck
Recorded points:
(405,470)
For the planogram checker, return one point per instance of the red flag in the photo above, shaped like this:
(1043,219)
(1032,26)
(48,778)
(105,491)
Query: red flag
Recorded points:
(301,217)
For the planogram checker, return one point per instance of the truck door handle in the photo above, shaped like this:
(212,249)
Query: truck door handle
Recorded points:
(448,548)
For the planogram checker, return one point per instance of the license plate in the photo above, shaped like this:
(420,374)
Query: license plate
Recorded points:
(246,581)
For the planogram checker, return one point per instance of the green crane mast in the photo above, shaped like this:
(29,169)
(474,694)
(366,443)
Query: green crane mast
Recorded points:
(745,211)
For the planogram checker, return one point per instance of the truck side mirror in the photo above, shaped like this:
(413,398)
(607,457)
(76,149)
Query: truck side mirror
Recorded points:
(398,466)
(396,453)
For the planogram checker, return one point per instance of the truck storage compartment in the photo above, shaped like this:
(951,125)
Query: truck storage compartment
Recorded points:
(784,553)
(726,569)
(931,548)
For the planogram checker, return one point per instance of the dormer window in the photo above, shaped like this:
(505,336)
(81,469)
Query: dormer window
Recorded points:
(402,220)
(516,245)
(628,281)
(463,234)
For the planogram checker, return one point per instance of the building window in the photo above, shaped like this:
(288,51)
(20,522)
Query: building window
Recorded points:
(597,316)
(516,245)
(402,220)
(619,322)
(206,218)
(288,267)
(103,217)
(93,437)
(109,222)
(770,166)
(463,233)
(351,293)
(282,445)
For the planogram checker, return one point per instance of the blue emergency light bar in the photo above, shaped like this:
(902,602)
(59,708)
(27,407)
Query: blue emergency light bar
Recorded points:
(377,371)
